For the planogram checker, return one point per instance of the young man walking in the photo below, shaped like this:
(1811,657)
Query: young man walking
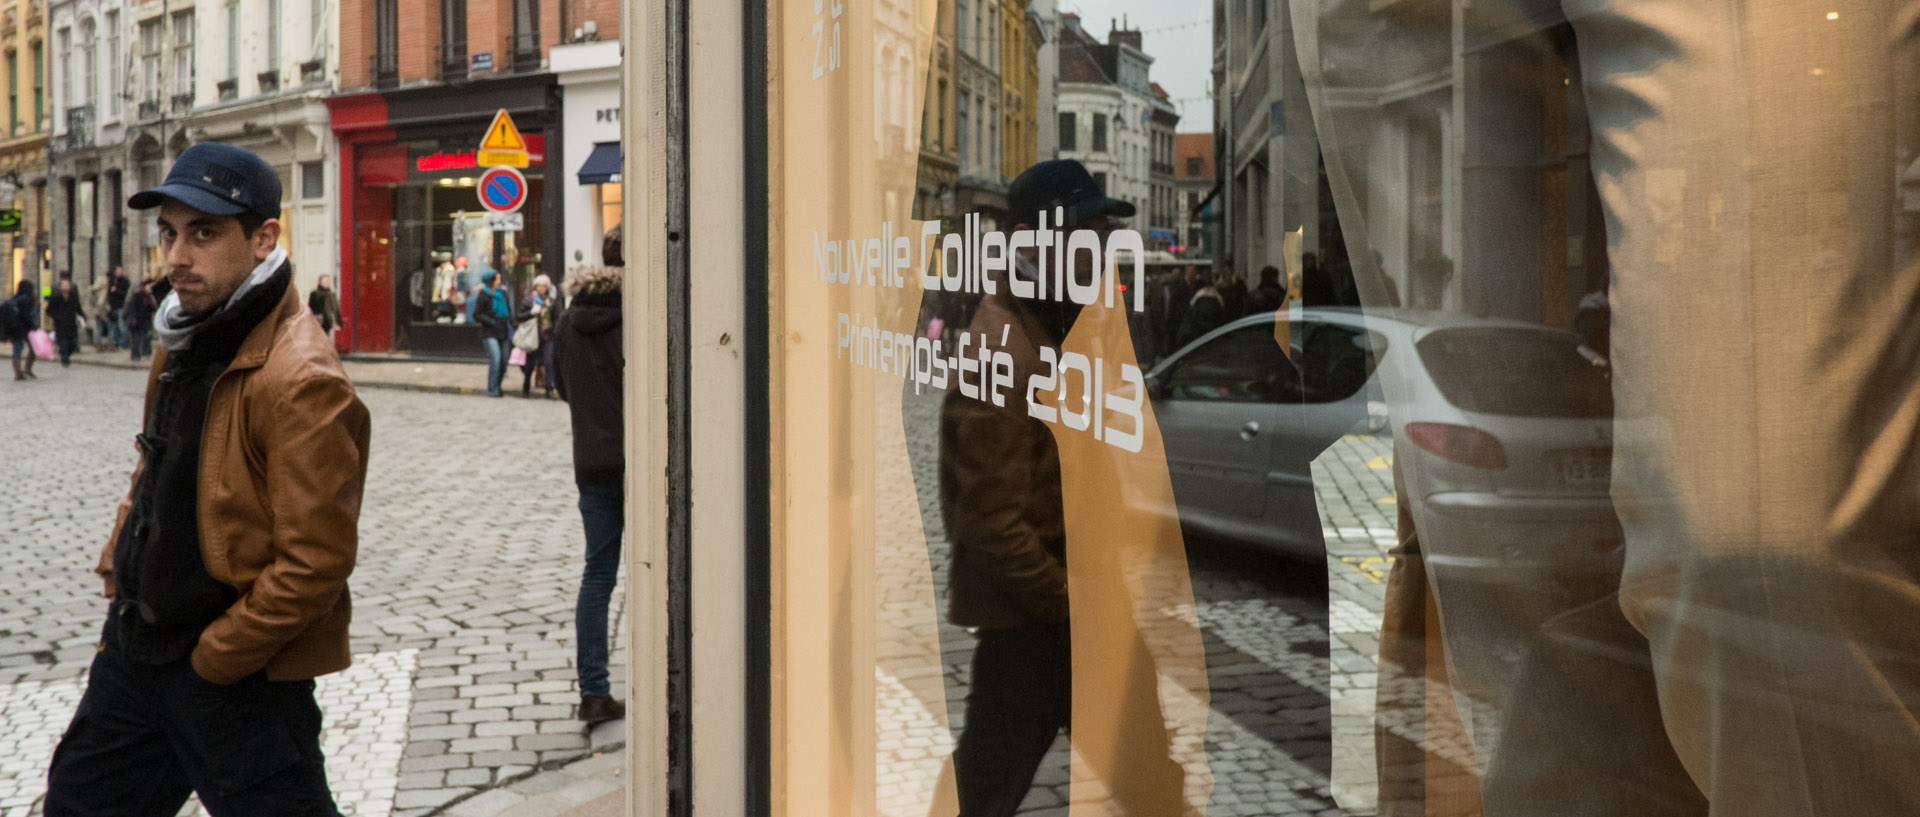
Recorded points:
(227,566)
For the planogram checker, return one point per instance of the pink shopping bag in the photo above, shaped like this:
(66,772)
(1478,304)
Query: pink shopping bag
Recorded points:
(41,342)
(518,357)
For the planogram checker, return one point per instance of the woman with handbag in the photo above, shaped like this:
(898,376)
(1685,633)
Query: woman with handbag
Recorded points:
(20,317)
(533,335)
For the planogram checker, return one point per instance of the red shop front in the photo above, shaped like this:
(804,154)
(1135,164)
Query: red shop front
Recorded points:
(415,241)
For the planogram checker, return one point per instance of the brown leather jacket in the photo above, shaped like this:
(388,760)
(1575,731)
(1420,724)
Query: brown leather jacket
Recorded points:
(1000,492)
(282,463)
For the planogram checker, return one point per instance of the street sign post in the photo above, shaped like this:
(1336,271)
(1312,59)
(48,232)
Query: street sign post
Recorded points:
(503,144)
(502,190)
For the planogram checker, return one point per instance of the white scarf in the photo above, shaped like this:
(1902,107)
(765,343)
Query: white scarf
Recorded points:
(174,328)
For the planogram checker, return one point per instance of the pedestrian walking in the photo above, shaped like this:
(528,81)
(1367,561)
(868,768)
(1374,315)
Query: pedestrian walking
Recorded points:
(1001,499)
(324,304)
(117,289)
(542,307)
(63,309)
(489,309)
(139,314)
(19,316)
(589,373)
(228,562)
(97,302)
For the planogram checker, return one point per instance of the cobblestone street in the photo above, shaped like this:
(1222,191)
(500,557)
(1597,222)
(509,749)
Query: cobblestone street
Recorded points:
(463,596)
(463,690)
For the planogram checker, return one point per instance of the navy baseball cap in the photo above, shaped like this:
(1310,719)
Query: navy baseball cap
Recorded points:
(1060,183)
(217,178)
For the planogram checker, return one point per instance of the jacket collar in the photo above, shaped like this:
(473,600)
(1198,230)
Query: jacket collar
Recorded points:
(259,341)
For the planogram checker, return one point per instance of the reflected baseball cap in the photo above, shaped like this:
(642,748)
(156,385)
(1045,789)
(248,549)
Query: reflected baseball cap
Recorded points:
(1060,183)
(217,178)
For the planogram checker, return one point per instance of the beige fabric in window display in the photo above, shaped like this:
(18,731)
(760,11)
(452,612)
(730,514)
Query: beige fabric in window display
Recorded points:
(1753,162)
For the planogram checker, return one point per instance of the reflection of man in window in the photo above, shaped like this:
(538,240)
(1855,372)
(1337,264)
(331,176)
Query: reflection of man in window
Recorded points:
(1000,495)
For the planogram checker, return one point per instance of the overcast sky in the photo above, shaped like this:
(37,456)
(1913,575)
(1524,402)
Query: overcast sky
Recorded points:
(1178,34)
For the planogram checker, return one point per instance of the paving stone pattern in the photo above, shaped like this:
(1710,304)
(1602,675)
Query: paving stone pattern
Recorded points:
(1288,655)
(463,597)
(463,686)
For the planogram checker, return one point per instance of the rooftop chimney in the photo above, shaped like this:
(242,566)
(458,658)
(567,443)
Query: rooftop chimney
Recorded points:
(1118,33)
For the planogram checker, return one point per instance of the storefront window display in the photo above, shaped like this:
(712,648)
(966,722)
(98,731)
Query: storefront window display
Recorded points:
(1531,435)
(426,243)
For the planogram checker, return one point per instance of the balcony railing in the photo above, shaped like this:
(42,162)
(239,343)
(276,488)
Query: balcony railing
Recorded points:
(149,109)
(181,103)
(79,127)
(526,51)
(269,81)
(229,89)
(313,72)
(386,69)
(453,60)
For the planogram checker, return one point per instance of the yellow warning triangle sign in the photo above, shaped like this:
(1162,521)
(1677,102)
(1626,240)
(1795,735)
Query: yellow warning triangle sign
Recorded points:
(502,135)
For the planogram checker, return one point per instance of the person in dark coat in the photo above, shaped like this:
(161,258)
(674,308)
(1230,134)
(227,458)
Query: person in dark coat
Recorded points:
(589,371)
(117,290)
(1206,311)
(20,315)
(139,313)
(63,308)
(1233,296)
(324,304)
(1269,296)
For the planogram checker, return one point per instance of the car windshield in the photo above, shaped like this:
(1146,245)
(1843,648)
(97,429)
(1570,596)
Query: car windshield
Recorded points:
(1516,372)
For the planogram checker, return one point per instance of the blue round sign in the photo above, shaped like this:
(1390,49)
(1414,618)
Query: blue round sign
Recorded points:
(502,190)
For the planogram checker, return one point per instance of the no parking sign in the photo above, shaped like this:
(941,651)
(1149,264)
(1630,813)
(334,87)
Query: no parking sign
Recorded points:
(502,190)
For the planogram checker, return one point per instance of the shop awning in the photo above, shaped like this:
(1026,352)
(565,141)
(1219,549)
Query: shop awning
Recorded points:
(603,164)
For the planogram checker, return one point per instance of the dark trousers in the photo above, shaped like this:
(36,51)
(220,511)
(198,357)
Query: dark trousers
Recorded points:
(603,508)
(145,736)
(67,343)
(1021,696)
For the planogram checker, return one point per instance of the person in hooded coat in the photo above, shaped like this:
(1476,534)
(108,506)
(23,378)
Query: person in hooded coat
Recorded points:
(588,371)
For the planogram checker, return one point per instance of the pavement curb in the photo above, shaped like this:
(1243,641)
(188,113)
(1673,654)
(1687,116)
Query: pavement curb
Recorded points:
(432,388)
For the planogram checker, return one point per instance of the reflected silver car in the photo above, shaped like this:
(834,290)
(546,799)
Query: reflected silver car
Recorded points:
(1502,431)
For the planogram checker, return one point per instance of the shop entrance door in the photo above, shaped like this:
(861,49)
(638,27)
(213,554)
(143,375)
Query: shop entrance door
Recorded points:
(373,260)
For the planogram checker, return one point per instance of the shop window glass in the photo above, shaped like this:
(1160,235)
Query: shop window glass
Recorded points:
(1298,517)
(610,206)
(428,244)
(1243,366)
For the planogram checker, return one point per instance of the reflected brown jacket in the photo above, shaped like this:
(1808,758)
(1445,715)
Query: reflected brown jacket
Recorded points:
(1000,489)
(283,459)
